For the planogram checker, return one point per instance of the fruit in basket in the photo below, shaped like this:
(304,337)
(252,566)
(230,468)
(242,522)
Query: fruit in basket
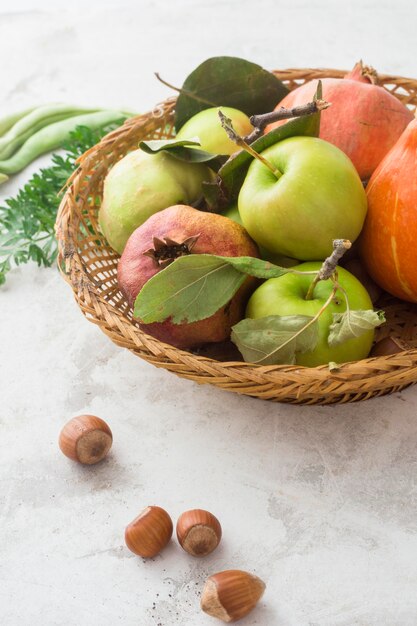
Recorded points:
(141,184)
(207,127)
(286,296)
(388,240)
(232,213)
(174,232)
(315,197)
(364,119)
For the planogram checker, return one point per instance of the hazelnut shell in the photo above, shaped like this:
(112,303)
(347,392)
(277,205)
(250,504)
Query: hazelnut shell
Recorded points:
(231,595)
(86,439)
(149,532)
(198,532)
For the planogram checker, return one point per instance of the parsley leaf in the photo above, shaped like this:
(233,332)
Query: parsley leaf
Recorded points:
(27,220)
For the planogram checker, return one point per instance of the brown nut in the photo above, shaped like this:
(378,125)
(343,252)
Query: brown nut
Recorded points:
(199,532)
(149,532)
(389,345)
(86,439)
(232,594)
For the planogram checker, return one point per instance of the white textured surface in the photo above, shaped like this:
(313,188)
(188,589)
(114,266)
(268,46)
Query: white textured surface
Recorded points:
(318,501)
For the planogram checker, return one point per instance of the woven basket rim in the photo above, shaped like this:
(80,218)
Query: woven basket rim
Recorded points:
(73,271)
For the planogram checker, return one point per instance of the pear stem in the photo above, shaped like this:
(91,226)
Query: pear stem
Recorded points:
(239,141)
(340,246)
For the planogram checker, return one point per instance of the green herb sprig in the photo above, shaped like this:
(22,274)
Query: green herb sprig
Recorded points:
(27,220)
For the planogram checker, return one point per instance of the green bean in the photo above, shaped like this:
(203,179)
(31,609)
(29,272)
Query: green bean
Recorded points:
(3,178)
(53,136)
(10,120)
(35,121)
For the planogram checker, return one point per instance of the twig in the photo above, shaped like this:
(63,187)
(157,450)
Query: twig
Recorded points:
(261,121)
(239,141)
(329,265)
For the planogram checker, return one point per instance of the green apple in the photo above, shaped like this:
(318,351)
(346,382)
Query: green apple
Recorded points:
(286,295)
(140,185)
(317,196)
(278,259)
(207,127)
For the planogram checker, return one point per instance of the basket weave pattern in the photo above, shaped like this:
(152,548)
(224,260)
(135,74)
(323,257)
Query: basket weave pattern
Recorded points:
(89,265)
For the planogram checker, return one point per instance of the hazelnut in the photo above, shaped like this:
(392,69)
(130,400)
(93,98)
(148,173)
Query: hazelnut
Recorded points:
(86,439)
(389,345)
(232,594)
(199,532)
(149,532)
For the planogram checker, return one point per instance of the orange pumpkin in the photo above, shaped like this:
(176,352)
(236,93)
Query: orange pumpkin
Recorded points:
(389,238)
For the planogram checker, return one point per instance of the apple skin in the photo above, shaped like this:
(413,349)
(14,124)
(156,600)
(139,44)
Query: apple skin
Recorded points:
(142,184)
(207,127)
(286,296)
(318,198)
(277,259)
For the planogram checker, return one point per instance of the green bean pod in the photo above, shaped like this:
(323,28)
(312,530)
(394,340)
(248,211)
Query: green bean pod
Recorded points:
(10,120)
(35,121)
(3,178)
(53,136)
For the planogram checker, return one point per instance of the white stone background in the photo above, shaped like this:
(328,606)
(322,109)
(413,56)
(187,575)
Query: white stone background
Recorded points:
(318,501)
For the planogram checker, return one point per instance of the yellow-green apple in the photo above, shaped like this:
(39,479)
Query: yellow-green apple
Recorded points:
(141,184)
(286,295)
(171,233)
(207,127)
(278,259)
(314,196)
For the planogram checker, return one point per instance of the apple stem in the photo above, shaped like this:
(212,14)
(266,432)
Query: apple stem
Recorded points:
(261,121)
(239,141)
(340,246)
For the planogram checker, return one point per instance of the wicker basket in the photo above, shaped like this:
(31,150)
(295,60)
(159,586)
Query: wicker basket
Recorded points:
(90,266)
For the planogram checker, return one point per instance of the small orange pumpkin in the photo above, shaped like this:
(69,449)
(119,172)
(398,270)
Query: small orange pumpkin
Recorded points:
(389,238)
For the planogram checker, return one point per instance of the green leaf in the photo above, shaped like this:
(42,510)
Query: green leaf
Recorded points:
(274,339)
(255,267)
(214,196)
(228,81)
(195,286)
(181,149)
(190,289)
(233,172)
(351,324)
(27,220)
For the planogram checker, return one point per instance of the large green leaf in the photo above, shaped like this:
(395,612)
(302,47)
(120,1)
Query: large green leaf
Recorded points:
(190,289)
(274,339)
(228,81)
(194,287)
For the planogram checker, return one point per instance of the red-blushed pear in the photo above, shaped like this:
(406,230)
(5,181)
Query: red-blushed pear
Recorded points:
(141,184)
(206,126)
(314,196)
(174,232)
(287,296)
